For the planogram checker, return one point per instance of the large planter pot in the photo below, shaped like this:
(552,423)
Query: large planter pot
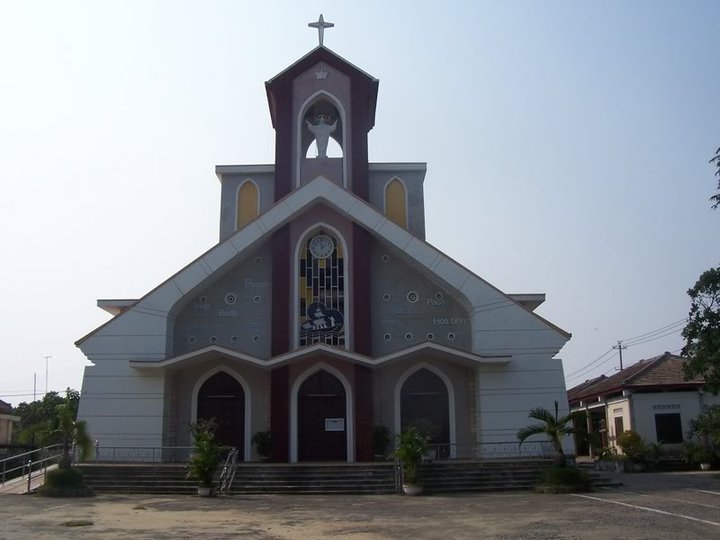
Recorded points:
(412,489)
(204,491)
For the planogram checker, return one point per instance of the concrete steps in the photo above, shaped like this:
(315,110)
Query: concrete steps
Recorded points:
(331,478)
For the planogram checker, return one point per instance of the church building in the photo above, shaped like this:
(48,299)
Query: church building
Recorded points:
(322,312)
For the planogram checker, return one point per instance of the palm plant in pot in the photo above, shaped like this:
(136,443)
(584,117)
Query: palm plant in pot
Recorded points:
(205,458)
(412,446)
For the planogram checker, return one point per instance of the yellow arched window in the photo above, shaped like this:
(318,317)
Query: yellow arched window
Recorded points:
(395,202)
(247,204)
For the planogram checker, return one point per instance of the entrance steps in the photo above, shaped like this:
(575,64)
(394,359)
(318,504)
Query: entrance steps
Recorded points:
(325,478)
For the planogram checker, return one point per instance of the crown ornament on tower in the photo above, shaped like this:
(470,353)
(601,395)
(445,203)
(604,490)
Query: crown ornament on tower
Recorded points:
(321,74)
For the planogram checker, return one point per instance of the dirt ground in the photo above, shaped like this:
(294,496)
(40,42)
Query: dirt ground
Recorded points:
(663,506)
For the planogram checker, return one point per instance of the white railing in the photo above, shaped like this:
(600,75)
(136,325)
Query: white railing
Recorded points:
(141,454)
(28,462)
(492,450)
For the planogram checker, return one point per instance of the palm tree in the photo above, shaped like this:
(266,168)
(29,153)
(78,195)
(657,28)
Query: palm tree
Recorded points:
(70,432)
(555,427)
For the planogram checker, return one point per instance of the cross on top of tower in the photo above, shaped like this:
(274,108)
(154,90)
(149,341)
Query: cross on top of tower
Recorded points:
(321,25)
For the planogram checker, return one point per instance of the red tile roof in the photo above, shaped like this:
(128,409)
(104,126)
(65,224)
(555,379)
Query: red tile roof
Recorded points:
(659,372)
(5,408)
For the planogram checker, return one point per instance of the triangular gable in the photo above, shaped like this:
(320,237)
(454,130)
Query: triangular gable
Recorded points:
(363,82)
(479,293)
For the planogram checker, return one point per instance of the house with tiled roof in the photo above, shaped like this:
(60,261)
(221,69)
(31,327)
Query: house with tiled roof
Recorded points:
(651,397)
(6,423)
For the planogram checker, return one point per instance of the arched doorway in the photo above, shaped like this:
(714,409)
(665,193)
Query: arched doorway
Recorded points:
(322,419)
(222,397)
(424,404)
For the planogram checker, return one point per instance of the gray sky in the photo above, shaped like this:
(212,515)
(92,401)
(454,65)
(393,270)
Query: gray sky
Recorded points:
(567,146)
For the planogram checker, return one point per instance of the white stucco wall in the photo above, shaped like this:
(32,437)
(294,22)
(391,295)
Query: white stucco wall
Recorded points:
(121,405)
(688,404)
(506,394)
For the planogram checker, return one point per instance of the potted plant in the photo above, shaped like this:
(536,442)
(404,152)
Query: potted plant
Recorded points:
(381,440)
(697,454)
(632,446)
(411,448)
(262,441)
(205,457)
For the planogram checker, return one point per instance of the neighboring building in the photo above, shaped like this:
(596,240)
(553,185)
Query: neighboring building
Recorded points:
(651,397)
(6,423)
(322,311)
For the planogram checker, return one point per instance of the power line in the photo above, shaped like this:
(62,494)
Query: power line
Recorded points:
(657,330)
(590,364)
(589,368)
(671,332)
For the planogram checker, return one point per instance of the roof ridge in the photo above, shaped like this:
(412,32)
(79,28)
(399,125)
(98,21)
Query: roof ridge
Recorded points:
(651,362)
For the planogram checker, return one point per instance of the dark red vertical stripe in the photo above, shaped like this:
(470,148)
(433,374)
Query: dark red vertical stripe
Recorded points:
(283,141)
(361,290)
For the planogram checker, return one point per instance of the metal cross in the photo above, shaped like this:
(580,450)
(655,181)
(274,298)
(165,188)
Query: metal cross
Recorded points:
(321,25)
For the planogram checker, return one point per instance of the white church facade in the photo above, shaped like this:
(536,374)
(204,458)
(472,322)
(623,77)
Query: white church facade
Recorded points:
(322,311)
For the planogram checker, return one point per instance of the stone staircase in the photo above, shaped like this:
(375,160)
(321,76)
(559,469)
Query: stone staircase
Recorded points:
(327,478)
(477,476)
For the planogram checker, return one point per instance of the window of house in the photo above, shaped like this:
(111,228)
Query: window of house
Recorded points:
(619,426)
(668,428)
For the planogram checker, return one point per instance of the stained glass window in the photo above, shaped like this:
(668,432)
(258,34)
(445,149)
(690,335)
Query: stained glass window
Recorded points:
(322,290)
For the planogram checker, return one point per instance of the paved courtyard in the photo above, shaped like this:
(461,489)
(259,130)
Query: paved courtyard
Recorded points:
(663,506)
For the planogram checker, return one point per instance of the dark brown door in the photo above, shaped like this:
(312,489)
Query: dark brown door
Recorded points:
(222,397)
(424,405)
(322,422)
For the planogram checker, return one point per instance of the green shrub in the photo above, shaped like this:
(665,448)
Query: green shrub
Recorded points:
(65,483)
(65,478)
(559,479)
(632,445)
(262,441)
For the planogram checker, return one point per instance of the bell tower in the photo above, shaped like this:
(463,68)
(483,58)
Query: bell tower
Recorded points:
(322,108)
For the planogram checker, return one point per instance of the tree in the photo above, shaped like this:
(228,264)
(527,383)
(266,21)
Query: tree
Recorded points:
(702,332)
(70,432)
(707,424)
(38,417)
(555,427)
(716,161)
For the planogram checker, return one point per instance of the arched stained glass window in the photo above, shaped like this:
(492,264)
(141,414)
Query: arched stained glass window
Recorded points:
(247,204)
(396,203)
(321,288)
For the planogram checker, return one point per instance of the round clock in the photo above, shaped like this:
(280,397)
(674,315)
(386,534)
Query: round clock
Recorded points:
(321,247)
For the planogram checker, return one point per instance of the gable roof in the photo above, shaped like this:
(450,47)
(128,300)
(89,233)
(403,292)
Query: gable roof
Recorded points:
(660,372)
(479,292)
(364,82)
(5,408)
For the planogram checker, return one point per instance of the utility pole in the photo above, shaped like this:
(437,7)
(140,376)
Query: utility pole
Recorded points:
(34,386)
(46,373)
(619,347)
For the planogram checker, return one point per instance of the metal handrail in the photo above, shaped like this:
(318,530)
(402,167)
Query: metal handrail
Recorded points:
(140,454)
(29,463)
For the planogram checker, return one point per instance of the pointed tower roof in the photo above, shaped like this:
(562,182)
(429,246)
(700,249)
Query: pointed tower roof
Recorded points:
(362,83)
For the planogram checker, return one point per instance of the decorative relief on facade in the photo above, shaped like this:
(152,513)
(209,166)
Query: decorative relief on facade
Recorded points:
(411,309)
(322,291)
(229,311)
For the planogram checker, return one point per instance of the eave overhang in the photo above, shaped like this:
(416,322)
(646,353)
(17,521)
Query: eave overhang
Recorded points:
(426,351)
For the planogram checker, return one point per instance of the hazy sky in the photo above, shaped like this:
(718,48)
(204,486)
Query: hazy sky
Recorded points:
(567,146)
